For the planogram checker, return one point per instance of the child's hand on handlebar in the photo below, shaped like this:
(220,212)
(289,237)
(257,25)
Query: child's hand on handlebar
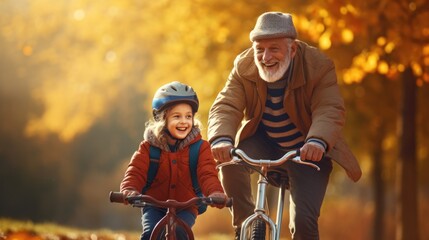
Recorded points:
(129,193)
(219,195)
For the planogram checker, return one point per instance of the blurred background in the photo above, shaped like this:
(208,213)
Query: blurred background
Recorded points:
(77,78)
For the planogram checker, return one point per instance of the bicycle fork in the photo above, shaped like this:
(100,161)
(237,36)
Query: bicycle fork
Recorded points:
(260,212)
(169,223)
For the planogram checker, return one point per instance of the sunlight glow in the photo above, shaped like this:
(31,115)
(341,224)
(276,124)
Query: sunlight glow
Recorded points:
(303,23)
(417,69)
(381,41)
(371,62)
(383,67)
(67,114)
(79,14)
(389,47)
(27,50)
(110,56)
(351,9)
(353,75)
(347,35)
(320,27)
(325,41)
(323,13)
(222,35)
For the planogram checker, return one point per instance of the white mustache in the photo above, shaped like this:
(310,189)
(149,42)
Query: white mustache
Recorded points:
(268,64)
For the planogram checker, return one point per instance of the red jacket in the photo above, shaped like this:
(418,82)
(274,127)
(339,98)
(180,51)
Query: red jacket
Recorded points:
(173,179)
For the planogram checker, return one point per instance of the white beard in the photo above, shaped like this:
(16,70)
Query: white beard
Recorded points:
(270,75)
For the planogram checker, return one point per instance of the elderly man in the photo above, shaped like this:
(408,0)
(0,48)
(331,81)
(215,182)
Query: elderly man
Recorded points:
(281,95)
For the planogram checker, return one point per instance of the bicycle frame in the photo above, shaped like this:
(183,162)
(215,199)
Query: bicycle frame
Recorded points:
(169,223)
(260,211)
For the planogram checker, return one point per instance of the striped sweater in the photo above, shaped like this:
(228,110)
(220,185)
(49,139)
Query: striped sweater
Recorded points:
(276,121)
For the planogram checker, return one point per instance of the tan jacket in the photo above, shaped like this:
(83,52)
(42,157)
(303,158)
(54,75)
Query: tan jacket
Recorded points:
(312,100)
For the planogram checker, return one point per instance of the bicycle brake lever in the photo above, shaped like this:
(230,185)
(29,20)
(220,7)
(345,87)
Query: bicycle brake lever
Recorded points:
(297,159)
(234,160)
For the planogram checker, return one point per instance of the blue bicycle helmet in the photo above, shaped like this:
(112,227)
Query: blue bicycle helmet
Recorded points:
(172,93)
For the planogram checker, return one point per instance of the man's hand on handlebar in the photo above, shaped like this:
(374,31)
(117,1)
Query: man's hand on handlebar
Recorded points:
(311,152)
(221,151)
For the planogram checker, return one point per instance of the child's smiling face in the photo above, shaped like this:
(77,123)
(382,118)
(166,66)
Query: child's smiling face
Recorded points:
(180,120)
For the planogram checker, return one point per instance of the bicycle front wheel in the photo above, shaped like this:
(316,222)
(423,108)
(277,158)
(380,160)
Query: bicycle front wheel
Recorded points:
(258,230)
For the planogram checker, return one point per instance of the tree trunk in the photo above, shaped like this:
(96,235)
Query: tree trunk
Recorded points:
(379,189)
(407,218)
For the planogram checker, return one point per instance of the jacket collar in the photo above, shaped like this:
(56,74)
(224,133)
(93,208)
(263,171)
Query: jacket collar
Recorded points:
(193,136)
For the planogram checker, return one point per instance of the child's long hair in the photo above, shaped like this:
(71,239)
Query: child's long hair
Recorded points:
(159,127)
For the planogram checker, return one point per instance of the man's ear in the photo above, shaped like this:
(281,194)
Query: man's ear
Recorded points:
(293,48)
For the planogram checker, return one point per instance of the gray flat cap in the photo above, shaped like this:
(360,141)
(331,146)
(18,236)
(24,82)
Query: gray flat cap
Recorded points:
(273,25)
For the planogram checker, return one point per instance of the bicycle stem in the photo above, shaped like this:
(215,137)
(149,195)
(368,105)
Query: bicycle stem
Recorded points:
(262,187)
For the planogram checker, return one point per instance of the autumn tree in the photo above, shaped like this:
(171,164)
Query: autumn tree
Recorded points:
(390,40)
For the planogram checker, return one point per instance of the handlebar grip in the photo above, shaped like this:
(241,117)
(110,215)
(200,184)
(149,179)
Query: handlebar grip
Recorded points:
(116,197)
(221,201)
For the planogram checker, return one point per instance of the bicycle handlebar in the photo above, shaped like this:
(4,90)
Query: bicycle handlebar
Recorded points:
(116,197)
(291,155)
(142,200)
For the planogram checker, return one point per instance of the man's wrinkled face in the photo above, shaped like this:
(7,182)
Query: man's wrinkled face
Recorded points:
(273,57)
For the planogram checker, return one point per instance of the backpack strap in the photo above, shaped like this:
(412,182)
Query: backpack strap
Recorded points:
(194,152)
(154,156)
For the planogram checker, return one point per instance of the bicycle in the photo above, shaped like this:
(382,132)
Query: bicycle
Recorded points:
(258,231)
(170,221)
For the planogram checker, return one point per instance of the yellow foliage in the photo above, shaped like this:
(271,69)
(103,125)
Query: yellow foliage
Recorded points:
(353,75)
(426,50)
(347,35)
(109,47)
(325,40)
(389,47)
(371,62)
(381,41)
(417,69)
(383,67)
